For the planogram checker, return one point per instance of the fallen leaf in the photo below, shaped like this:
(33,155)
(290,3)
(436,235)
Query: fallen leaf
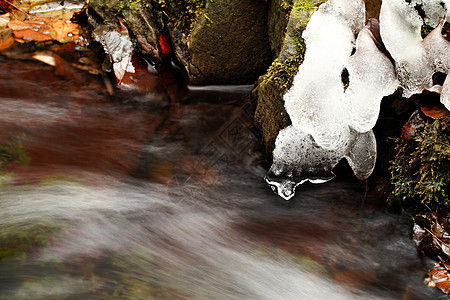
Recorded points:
(65,31)
(439,277)
(430,103)
(39,30)
(7,44)
(118,45)
(31,35)
(6,5)
(435,111)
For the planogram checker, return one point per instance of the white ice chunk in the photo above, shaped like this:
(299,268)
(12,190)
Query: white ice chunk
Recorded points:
(362,154)
(445,94)
(353,12)
(372,76)
(297,159)
(400,26)
(314,101)
(438,49)
(434,10)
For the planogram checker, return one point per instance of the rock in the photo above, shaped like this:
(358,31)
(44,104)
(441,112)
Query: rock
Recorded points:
(270,114)
(229,44)
(144,21)
(218,42)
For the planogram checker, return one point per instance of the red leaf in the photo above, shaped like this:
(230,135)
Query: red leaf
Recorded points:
(164,43)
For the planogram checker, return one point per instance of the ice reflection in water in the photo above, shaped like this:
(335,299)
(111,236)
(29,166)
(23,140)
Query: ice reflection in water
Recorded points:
(126,202)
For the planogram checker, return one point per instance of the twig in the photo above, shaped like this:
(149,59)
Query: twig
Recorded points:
(19,9)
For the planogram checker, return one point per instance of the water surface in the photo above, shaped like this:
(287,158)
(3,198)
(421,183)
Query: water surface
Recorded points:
(122,199)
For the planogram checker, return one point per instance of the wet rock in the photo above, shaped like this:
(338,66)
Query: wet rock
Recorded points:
(143,20)
(229,44)
(218,42)
(270,114)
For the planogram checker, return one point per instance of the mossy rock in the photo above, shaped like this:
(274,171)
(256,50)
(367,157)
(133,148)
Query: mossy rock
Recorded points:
(270,114)
(229,44)
(143,19)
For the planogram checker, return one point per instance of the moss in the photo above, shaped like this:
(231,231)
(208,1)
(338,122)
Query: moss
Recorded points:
(270,113)
(421,167)
(18,244)
(425,30)
(305,5)
(13,151)
(183,13)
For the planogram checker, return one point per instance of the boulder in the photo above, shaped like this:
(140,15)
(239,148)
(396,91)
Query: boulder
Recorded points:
(229,44)
(270,114)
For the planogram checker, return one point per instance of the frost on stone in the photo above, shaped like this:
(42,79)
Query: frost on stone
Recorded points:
(297,159)
(400,26)
(119,47)
(372,76)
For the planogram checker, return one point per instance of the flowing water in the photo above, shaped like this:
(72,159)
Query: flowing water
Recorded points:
(121,199)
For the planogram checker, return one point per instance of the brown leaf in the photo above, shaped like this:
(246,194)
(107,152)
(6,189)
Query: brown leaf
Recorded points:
(31,35)
(65,32)
(7,44)
(39,30)
(435,111)
(439,277)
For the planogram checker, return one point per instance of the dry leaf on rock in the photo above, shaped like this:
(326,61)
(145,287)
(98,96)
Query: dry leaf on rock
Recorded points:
(39,30)
(8,43)
(439,277)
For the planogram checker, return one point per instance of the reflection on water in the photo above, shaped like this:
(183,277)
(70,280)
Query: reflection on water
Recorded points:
(125,201)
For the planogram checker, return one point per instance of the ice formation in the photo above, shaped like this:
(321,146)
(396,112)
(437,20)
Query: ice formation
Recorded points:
(400,26)
(416,60)
(445,94)
(330,122)
(298,158)
(372,76)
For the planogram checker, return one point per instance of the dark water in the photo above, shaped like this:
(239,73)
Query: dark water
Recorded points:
(124,200)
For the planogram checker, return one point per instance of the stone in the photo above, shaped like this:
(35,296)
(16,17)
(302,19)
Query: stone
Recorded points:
(229,44)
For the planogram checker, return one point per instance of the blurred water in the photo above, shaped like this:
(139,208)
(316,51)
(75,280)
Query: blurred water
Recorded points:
(125,201)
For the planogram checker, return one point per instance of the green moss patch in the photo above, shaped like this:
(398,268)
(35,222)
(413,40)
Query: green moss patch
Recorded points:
(270,113)
(13,151)
(421,166)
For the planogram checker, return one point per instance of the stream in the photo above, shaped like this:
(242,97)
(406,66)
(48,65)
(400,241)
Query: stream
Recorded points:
(121,199)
